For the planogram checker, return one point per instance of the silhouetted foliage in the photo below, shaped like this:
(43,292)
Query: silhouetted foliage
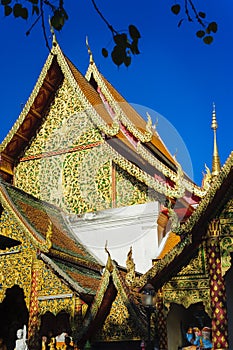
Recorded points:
(188,11)
(125,43)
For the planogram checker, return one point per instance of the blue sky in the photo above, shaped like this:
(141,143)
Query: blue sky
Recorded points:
(176,75)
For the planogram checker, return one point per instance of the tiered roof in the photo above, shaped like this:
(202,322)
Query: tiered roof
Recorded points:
(193,230)
(113,286)
(170,261)
(132,143)
(138,149)
(45,226)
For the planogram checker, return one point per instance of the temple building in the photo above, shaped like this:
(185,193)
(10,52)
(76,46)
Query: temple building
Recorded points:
(94,209)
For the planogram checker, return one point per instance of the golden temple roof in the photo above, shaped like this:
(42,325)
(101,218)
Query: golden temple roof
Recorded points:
(124,129)
(171,241)
(60,249)
(194,228)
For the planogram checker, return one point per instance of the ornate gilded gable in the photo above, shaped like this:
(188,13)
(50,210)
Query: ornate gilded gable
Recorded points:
(52,160)
(227,212)
(52,281)
(226,239)
(130,191)
(120,325)
(18,265)
(65,124)
(66,164)
(15,262)
(191,284)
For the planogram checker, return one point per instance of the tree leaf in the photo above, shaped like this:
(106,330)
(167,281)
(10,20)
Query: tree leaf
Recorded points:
(17,10)
(208,39)
(24,13)
(127,61)
(104,52)
(202,14)
(57,20)
(5,2)
(7,10)
(134,32)
(64,13)
(35,9)
(118,55)
(200,33)
(120,39)
(175,9)
(134,47)
(213,27)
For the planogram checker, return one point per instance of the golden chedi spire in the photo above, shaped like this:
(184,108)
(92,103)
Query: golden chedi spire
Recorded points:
(215,159)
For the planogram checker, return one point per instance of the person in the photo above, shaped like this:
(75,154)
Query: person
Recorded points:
(206,335)
(68,345)
(52,343)
(200,339)
(60,339)
(21,342)
(2,344)
(44,342)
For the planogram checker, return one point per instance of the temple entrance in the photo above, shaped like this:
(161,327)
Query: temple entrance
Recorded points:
(126,345)
(180,319)
(13,315)
(52,325)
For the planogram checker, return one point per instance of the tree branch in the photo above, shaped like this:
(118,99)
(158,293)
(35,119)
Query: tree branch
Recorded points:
(110,27)
(43,24)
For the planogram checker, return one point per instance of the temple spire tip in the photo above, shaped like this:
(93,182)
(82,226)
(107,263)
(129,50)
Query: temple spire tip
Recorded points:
(215,159)
(54,40)
(214,124)
(89,50)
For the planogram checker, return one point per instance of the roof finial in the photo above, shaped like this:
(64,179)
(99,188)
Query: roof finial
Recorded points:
(89,50)
(109,264)
(215,160)
(53,33)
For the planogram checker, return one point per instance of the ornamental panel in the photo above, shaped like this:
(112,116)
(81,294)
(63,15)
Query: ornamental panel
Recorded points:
(196,266)
(130,191)
(16,262)
(187,298)
(191,284)
(55,305)
(51,284)
(67,163)
(65,105)
(118,325)
(87,180)
(226,238)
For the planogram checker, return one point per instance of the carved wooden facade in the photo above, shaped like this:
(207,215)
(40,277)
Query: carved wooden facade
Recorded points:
(79,146)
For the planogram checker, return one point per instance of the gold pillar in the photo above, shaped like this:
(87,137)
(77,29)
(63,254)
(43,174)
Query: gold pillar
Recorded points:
(161,322)
(34,321)
(77,319)
(78,311)
(217,288)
